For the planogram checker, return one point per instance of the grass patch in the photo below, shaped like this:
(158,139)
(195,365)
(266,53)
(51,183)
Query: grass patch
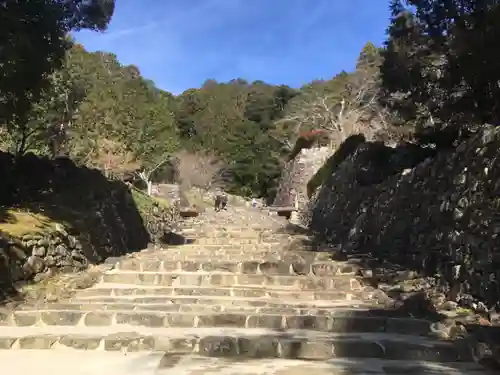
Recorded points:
(464,311)
(17,223)
(144,202)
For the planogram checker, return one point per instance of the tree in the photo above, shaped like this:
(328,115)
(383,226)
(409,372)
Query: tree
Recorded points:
(32,46)
(234,122)
(346,105)
(147,175)
(118,104)
(114,159)
(439,68)
(199,170)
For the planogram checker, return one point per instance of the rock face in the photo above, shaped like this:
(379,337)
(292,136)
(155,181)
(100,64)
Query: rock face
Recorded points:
(436,214)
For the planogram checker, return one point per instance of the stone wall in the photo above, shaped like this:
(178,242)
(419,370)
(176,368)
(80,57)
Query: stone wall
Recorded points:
(89,218)
(34,256)
(297,173)
(436,213)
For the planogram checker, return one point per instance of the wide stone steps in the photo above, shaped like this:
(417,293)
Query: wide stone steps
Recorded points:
(236,247)
(336,323)
(252,292)
(241,241)
(190,303)
(237,300)
(249,267)
(235,343)
(206,305)
(219,279)
(144,363)
(236,255)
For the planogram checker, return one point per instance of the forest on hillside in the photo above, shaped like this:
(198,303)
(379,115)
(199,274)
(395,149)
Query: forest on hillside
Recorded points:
(434,80)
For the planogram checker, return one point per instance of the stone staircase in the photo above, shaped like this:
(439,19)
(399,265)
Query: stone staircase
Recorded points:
(234,301)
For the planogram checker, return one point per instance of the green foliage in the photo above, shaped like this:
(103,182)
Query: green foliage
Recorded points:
(33,45)
(94,101)
(440,68)
(105,115)
(235,121)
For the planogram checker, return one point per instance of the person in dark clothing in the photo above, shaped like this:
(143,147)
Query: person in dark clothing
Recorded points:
(220,201)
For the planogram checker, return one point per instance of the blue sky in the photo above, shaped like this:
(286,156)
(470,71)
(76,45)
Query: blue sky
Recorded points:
(180,43)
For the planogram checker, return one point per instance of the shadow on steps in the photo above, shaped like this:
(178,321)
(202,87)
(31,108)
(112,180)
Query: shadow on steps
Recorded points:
(397,289)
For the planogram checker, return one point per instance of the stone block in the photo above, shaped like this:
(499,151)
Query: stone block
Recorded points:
(218,346)
(222,320)
(180,320)
(98,319)
(81,342)
(141,319)
(61,318)
(313,322)
(37,342)
(24,319)
(260,347)
(265,321)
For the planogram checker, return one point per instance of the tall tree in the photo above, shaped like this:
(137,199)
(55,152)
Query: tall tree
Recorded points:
(33,44)
(439,67)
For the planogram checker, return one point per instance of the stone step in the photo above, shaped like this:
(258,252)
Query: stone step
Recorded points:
(235,254)
(226,279)
(107,290)
(313,268)
(161,319)
(243,247)
(236,237)
(53,362)
(255,246)
(237,241)
(237,232)
(236,343)
(193,305)
(240,303)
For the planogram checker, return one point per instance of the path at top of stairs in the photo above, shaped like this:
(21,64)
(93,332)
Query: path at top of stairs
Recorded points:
(235,301)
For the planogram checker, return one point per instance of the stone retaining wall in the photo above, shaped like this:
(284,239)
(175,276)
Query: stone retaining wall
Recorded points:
(34,256)
(437,214)
(297,173)
(97,218)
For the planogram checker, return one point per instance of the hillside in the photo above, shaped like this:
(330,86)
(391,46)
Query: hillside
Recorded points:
(105,115)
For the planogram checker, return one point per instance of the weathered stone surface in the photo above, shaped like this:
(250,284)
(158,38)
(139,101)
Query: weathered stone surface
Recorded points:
(222,346)
(222,320)
(98,319)
(25,319)
(141,319)
(7,342)
(265,321)
(119,341)
(61,318)
(81,342)
(422,210)
(37,342)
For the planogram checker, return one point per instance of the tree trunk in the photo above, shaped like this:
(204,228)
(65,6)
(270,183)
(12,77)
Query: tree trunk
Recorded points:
(149,184)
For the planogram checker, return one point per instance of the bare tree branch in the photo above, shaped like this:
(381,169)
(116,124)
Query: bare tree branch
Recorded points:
(145,176)
(355,111)
(199,170)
